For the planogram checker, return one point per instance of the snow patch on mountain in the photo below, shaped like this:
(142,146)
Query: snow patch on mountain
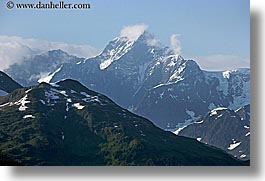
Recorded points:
(199,139)
(6,104)
(123,46)
(22,102)
(47,77)
(28,116)
(233,145)
(214,111)
(226,74)
(199,122)
(247,127)
(243,156)
(182,126)
(142,71)
(42,101)
(78,106)
(176,76)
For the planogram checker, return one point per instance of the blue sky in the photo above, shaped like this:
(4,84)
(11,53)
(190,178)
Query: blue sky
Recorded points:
(206,27)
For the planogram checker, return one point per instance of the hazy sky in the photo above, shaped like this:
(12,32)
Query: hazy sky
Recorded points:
(205,28)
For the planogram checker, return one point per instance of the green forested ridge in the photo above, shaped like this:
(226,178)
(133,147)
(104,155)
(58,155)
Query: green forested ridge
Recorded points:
(45,125)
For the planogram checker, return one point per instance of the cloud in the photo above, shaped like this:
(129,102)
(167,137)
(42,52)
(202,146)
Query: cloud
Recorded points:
(221,62)
(153,42)
(175,43)
(133,32)
(14,49)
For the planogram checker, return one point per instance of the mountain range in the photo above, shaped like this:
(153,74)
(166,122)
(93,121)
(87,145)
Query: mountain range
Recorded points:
(67,124)
(151,81)
(144,77)
(225,129)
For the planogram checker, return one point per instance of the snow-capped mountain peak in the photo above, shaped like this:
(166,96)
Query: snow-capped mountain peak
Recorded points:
(115,50)
(120,46)
(132,33)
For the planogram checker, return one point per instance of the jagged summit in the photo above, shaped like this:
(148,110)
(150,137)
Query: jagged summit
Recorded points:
(114,50)
(132,33)
(120,46)
(58,55)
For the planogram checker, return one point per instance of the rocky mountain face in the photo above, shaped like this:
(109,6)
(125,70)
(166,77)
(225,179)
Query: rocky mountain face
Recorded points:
(194,95)
(146,78)
(225,129)
(120,71)
(67,124)
(7,85)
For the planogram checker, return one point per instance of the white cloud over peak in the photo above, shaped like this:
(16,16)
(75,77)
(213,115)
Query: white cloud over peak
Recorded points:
(175,43)
(153,42)
(133,32)
(14,49)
